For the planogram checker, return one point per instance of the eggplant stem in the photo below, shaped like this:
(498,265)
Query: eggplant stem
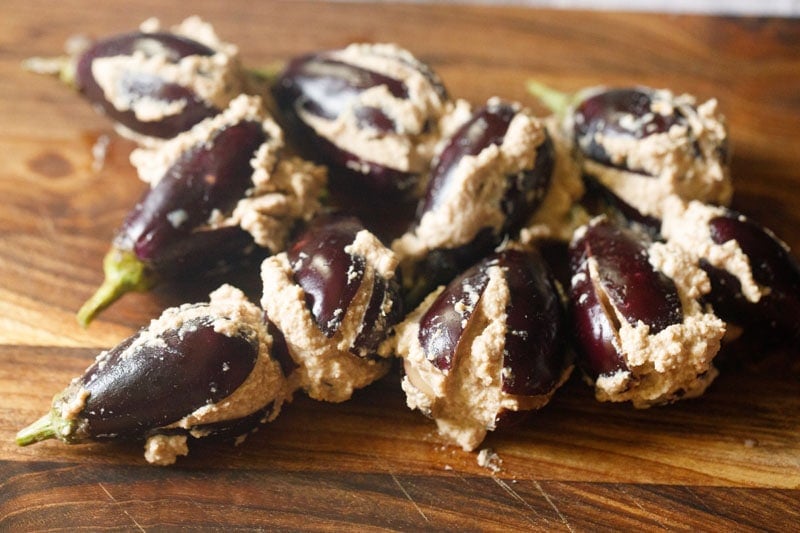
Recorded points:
(266,74)
(556,101)
(260,81)
(124,273)
(42,429)
(63,67)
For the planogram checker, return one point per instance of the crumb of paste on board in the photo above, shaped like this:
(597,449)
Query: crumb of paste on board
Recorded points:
(487,458)
(163,450)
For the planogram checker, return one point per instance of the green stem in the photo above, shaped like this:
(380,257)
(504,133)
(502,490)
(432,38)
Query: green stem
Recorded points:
(556,101)
(124,273)
(61,66)
(268,73)
(42,429)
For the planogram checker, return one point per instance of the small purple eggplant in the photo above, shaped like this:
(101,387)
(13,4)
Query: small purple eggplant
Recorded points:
(369,111)
(155,84)
(216,192)
(334,297)
(489,178)
(640,332)
(488,346)
(643,145)
(755,280)
(198,370)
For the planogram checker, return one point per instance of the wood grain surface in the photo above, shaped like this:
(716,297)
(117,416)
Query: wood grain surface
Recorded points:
(727,461)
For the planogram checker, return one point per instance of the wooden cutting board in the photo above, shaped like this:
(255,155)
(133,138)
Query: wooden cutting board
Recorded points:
(727,461)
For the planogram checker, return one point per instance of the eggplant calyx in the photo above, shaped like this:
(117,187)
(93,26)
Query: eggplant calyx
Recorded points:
(124,272)
(50,426)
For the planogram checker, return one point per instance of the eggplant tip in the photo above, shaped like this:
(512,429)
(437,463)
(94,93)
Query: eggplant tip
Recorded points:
(556,101)
(42,429)
(62,67)
(124,273)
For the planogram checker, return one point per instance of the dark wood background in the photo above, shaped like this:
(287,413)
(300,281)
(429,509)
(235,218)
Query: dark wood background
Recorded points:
(727,461)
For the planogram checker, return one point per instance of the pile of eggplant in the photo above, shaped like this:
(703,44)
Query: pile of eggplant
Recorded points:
(598,238)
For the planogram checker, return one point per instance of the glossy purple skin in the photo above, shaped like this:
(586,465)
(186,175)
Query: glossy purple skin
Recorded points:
(442,326)
(487,127)
(772,265)
(603,113)
(533,357)
(280,350)
(625,281)
(231,429)
(527,189)
(555,253)
(534,349)
(323,86)
(376,322)
(227,429)
(330,278)
(594,325)
(208,176)
(204,251)
(146,86)
(156,385)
